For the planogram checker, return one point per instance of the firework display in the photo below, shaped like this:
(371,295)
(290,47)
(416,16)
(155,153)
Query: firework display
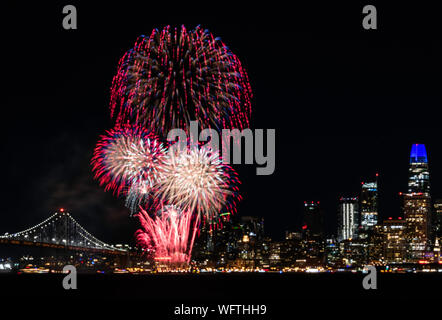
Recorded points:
(165,81)
(174,76)
(167,235)
(196,179)
(127,156)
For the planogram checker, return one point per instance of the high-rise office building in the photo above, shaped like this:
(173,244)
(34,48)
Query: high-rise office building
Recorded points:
(348,218)
(313,233)
(313,220)
(418,172)
(251,243)
(253,226)
(437,218)
(393,231)
(417,208)
(417,204)
(369,204)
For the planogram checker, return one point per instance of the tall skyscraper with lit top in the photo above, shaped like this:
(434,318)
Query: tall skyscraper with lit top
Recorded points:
(418,172)
(417,204)
(369,204)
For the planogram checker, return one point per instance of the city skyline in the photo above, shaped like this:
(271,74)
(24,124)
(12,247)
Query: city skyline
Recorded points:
(324,146)
(412,237)
(330,228)
(333,200)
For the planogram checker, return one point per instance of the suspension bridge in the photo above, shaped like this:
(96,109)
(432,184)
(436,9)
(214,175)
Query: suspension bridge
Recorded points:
(60,231)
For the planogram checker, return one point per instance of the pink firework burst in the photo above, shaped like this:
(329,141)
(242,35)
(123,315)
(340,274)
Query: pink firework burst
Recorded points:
(174,76)
(126,156)
(167,235)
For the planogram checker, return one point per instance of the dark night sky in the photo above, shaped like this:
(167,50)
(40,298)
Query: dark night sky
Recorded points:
(346,103)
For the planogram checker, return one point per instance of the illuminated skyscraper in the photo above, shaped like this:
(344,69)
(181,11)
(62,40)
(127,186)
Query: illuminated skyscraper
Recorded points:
(417,208)
(369,204)
(437,218)
(348,218)
(417,204)
(418,173)
(393,231)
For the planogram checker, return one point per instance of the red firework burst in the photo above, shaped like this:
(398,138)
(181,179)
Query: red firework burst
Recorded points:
(175,76)
(126,156)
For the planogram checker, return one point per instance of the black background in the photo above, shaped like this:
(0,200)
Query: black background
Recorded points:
(345,102)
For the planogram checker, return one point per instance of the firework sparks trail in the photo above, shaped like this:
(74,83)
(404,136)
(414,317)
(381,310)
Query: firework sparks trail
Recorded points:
(196,180)
(138,194)
(174,76)
(168,234)
(128,157)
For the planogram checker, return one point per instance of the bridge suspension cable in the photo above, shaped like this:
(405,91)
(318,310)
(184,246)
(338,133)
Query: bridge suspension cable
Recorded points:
(62,229)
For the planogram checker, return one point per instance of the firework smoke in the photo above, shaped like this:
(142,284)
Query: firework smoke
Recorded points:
(138,194)
(175,76)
